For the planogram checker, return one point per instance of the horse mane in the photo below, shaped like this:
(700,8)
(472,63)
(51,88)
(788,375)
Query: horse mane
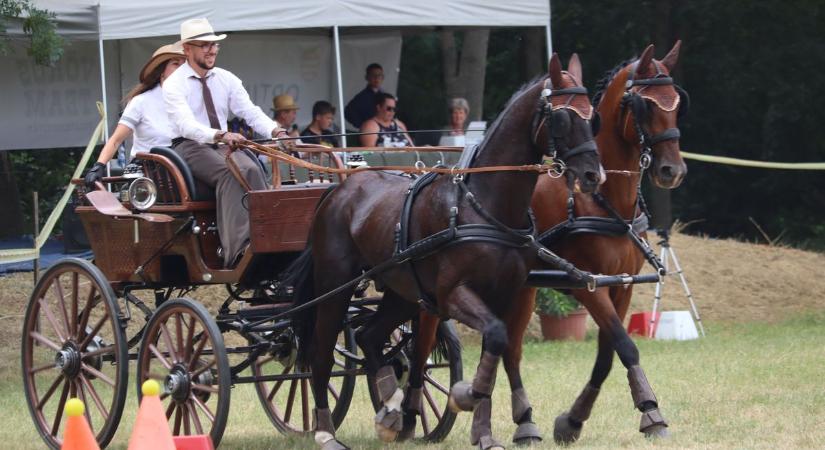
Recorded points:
(601,85)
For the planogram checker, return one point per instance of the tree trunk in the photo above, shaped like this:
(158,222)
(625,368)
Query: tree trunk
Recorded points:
(534,53)
(465,66)
(11,220)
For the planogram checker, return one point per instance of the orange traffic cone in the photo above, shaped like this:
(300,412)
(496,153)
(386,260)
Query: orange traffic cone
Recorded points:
(196,442)
(151,431)
(77,435)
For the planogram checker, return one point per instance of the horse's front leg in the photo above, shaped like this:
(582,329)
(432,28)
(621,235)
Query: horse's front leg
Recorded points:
(465,306)
(521,311)
(392,311)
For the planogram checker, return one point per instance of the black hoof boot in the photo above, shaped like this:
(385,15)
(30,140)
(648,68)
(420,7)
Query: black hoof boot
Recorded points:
(565,431)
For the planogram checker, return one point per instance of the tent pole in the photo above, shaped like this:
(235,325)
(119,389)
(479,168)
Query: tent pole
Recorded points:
(103,84)
(547,30)
(337,39)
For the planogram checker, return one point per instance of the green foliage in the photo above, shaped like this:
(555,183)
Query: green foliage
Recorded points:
(39,24)
(44,171)
(554,303)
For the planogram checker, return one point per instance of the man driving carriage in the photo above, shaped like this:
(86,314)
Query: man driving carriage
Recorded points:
(198,99)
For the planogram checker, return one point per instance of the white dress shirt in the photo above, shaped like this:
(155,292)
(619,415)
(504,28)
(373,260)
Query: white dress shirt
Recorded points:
(183,97)
(146,116)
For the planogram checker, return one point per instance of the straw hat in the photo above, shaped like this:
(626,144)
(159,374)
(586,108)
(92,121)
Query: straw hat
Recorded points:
(283,102)
(161,55)
(198,30)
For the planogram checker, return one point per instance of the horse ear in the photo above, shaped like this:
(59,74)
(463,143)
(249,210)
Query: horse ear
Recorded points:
(672,56)
(574,67)
(644,61)
(555,71)
(609,105)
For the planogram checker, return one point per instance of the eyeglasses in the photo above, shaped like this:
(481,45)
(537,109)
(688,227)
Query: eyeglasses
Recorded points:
(389,108)
(206,46)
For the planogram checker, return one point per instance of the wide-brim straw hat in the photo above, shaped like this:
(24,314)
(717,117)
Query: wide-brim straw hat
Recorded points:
(284,102)
(198,30)
(161,55)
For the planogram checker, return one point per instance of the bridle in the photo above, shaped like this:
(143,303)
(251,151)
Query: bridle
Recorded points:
(634,103)
(557,121)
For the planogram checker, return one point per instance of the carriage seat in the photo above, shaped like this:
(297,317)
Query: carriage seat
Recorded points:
(198,190)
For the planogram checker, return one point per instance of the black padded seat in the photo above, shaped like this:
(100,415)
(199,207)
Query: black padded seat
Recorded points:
(198,190)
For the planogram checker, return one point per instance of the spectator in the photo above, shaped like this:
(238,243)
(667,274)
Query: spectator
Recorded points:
(389,131)
(285,110)
(323,114)
(459,110)
(362,106)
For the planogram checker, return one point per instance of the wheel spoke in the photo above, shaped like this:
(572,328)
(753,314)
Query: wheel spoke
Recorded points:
(160,357)
(49,392)
(333,391)
(204,368)
(190,333)
(170,409)
(196,421)
(75,299)
(95,397)
(79,390)
(432,403)
(205,388)
(59,411)
(101,351)
(186,429)
(100,375)
(44,340)
(167,339)
(198,350)
(87,311)
(436,384)
(290,400)
(425,422)
(47,366)
(50,318)
(61,299)
(202,407)
(277,385)
(176,429)
(94,331)
(305,403)
(179,336)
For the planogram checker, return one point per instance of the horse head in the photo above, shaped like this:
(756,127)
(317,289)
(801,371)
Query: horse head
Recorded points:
(645,104)
(562,126)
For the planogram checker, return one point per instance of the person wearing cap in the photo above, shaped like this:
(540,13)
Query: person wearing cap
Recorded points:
(284,111)
(144,116)
(198,98)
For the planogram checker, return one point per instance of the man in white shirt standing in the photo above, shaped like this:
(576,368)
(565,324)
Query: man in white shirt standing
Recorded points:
(198,99)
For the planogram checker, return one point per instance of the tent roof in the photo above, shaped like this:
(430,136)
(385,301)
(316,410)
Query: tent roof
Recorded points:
(121,19)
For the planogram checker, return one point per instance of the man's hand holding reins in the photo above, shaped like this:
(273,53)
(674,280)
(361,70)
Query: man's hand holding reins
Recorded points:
(233,139)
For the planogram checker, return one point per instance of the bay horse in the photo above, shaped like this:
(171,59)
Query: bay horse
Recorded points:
(638,105)
(360,226)
(651,106)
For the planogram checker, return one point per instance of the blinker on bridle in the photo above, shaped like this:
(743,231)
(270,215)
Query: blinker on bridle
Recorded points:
(558,124)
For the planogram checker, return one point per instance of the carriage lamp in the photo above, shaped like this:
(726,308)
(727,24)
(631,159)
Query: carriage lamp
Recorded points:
(142,193)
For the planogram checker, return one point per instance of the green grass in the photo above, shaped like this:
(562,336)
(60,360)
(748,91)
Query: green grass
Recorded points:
(744,386)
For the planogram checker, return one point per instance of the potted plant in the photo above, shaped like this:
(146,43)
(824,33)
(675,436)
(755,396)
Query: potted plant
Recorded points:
(561,316)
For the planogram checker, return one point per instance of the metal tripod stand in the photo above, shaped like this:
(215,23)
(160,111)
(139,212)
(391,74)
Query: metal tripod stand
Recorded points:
(668,254)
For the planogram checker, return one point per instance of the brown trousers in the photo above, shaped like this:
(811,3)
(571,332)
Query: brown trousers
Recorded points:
(209,166)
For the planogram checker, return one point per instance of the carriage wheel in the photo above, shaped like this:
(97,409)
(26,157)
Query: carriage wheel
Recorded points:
(183,350)
(73,346)
(288,400)
(443,369)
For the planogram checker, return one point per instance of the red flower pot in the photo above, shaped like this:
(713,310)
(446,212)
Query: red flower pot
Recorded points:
(573,326)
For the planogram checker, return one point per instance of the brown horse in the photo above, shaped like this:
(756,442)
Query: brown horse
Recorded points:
(648,106)
(470,277)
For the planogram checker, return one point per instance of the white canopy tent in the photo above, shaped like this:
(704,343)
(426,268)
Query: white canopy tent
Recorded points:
(51,105)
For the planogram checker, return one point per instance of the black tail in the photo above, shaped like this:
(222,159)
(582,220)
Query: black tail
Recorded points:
(447,338)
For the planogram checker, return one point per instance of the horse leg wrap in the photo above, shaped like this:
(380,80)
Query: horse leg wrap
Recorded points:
(465,396)
(640,389)
(527,432)
(325,430)
(580,411)
(388,420)
(413,406)
(481,422)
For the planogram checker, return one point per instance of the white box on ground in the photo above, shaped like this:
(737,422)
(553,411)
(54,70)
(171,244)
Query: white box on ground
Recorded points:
(676,325)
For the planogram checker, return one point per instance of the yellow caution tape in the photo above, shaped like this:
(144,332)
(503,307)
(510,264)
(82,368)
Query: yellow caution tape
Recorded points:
(751,163)
(26,254)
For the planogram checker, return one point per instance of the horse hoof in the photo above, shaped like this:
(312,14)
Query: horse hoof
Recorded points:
(527,434)
(564,431)
(388,423)
(657,432)
(461,397)
(489,443)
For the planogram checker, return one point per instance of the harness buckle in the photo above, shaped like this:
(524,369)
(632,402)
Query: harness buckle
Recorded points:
(420,165)
(645,160)
(556,169)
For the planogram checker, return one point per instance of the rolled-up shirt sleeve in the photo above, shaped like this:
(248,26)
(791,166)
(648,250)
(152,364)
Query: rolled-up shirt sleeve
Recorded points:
(181,117)
(241,105)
